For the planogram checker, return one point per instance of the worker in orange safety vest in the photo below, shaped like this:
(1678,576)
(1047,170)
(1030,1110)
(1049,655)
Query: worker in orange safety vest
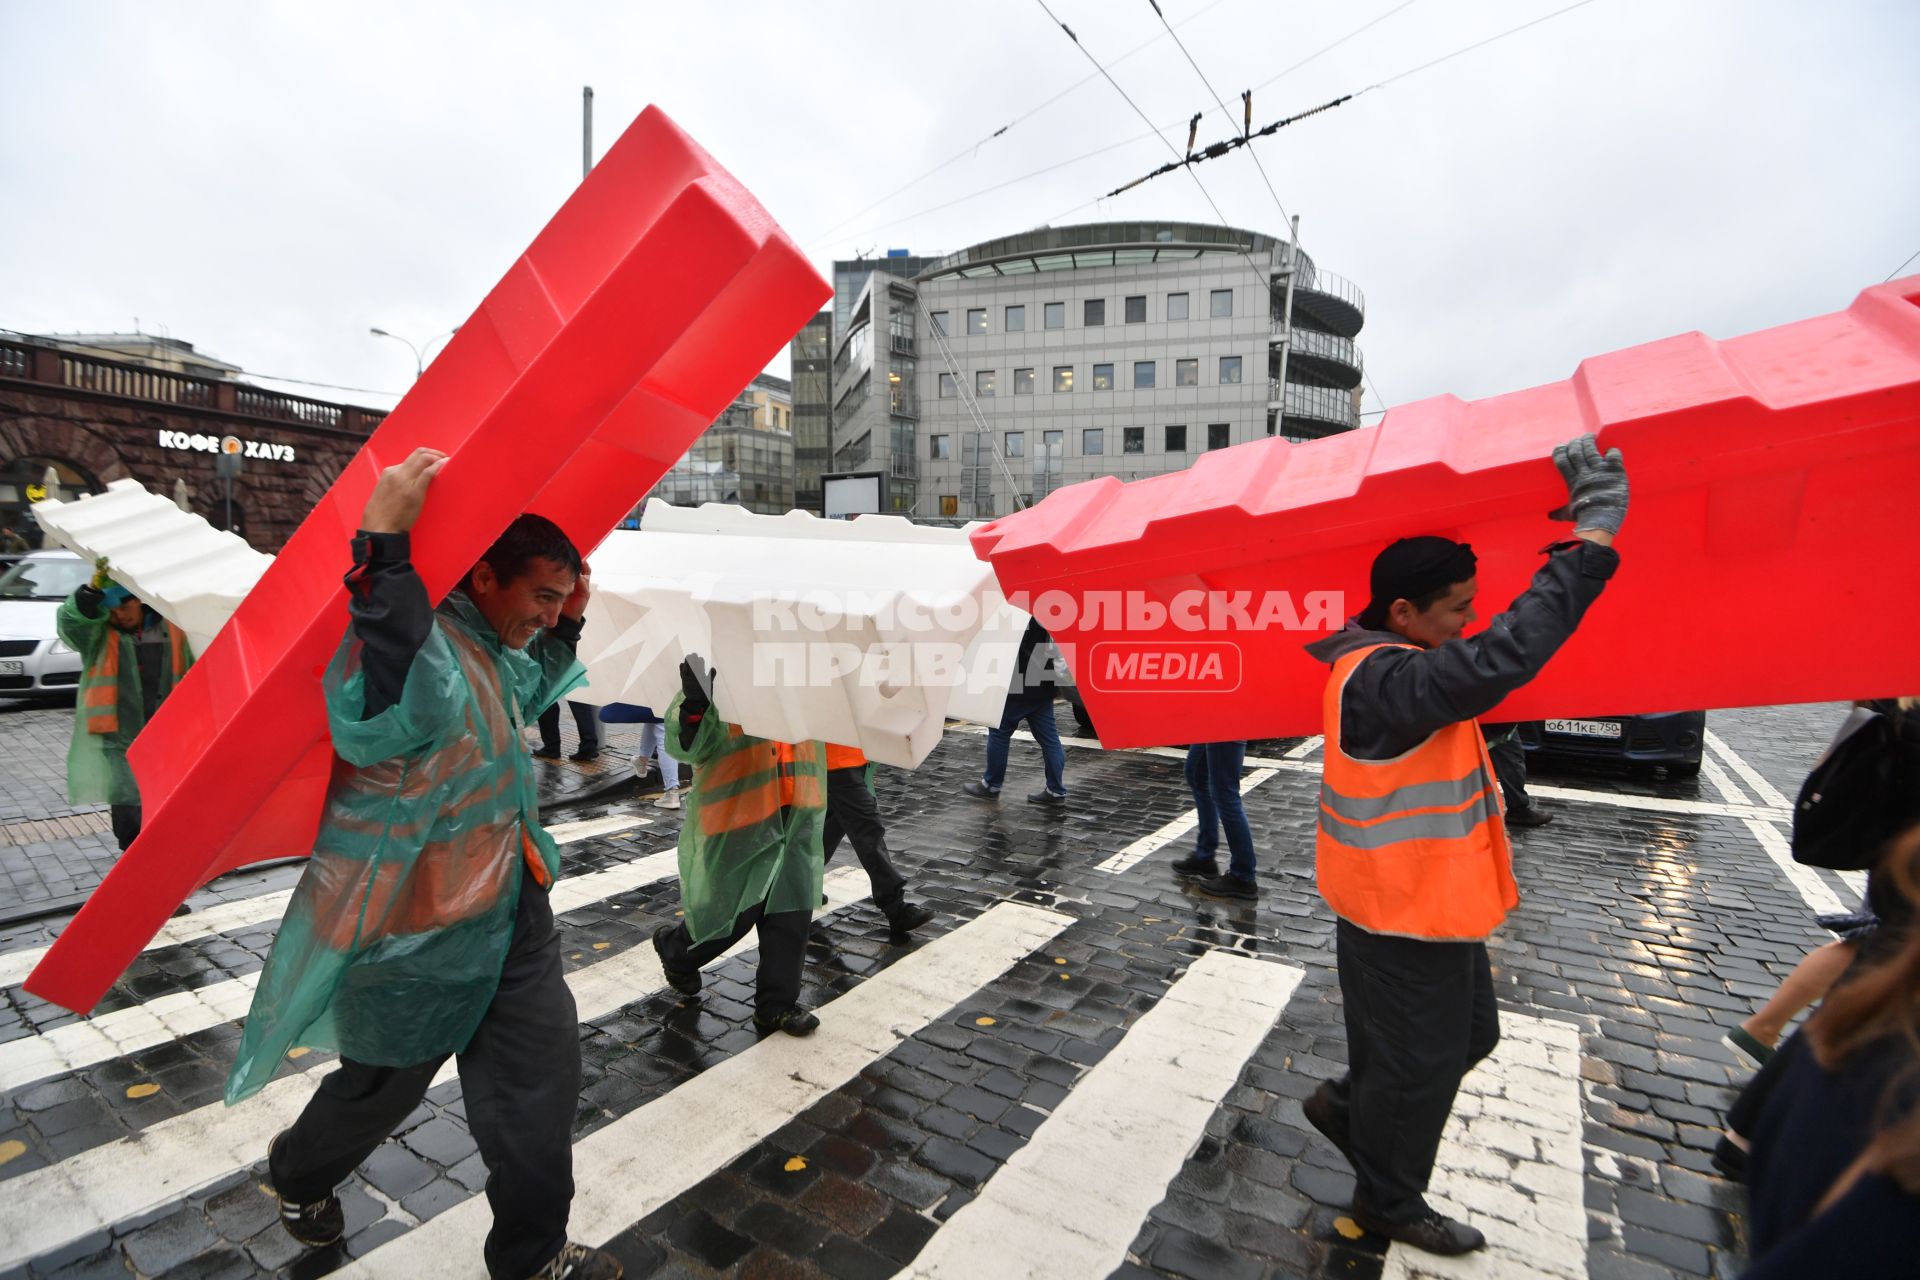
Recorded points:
(1412,850)
(853,812)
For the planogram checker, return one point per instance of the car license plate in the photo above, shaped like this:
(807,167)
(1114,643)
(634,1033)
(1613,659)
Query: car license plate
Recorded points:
(12,668)
(1585,728)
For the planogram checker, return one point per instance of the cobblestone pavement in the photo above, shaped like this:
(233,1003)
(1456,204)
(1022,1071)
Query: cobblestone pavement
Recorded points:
(1079,1069)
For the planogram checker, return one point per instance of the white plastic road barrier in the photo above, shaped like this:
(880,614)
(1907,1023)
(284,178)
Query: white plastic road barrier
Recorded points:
(193,574)
(859,632)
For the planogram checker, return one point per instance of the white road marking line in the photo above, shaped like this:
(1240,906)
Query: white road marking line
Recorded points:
(1510,1162)
(43,1210)
(629,1168)
(1131,856)
(1805,880)
(244,913)
(1071,1201)
(1307,748)
(75,1046)
(1768,793)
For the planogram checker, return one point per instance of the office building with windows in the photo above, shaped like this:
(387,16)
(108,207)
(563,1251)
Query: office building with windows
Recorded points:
(745,457)
(1000,373)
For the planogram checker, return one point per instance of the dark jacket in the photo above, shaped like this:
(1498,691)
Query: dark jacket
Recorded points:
(1035,677)
(1397,698)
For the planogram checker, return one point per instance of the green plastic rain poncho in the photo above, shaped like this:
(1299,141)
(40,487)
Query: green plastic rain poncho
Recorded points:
(751,833)
(395,937)
(110,709)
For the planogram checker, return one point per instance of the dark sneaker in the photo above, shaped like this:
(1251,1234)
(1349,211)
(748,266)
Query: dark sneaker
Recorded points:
(1432,1231)
(1196,866)
(1744,1041)
(315,1225)
(980,791)
(546,753)
(1229,887)
(795,1022)
(584,755)
(1325,1112)
(1044,796)
(685,981)
(1729,1159)
(905,917)
(578,1262)
(1531,816)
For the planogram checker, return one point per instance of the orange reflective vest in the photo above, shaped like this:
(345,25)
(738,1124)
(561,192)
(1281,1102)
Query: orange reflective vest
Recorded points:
(839,757)
(1416,845)
(100,705)
(755,780)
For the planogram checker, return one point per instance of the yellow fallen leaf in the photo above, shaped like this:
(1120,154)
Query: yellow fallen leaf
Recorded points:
(796,1163)
(1348,1228)
(142,1090)
(577,955)
(1065,976)
(1059,959)
(11,1148)
(601,946)
(301,1052)
(983,1021)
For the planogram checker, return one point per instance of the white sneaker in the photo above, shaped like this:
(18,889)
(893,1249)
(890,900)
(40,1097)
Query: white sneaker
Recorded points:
(669,800)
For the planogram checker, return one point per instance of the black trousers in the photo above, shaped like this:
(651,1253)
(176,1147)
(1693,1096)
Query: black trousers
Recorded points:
(853,812)
(783,953)
(1509,758)
(1419,1015)
(521,1081)
(586,721)
(126,823)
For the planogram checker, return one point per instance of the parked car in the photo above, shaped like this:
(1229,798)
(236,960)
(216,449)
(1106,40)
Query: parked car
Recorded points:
(32,658)
(1674,739)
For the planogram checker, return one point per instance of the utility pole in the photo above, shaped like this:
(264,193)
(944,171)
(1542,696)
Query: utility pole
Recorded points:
(1286,322)
(586,131)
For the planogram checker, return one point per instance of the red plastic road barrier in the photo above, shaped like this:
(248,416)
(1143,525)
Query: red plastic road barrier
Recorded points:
(1767,557)
(656,292)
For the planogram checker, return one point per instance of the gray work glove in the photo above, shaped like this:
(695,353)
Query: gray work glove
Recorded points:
(1596,485)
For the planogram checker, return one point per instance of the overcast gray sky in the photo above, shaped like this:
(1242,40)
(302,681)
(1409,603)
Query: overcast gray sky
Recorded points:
(267,180)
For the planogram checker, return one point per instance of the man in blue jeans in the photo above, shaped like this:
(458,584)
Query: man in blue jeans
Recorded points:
(1213,775)
(1030,699)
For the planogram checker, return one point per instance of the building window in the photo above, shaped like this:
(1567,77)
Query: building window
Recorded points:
(1051,443)
(1229,370)
(1063,377)
(1054,315)
(1093,312)
(1133,439)
(949,504)
(976,321)
(1016,320)
(1220,303)
(1186,373)
(1023,382)
(937,448)
(1103,377)
(1176,439)
(1137,309)
(1016,444)
(940,323)
(983,382)
(1142,375)
(1176,306)
(947,388)
(1219,435)
(1093,441)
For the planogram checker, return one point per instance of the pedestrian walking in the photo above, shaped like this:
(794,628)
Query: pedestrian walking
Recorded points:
(1213,776)
(749,852)
(1412,854)
(421,926)
(1029,702)
(653,746)
(853,812)
(586,723)
(130,660)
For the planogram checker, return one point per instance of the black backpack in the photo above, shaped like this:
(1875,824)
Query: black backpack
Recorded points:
(1864,789)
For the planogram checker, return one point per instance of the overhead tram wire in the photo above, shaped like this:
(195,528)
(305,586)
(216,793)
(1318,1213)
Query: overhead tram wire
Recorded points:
(1028,114)
(251,373)
(1902,267)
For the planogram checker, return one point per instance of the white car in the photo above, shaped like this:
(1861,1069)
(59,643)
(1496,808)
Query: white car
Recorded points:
(32,658)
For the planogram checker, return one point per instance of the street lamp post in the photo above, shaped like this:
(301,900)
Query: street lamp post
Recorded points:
(419,352)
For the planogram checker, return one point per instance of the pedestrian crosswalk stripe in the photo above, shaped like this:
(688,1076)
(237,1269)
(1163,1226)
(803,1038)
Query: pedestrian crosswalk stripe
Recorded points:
(173,1158)
(244,913)
(1805,880)
(1768,793)
(627,1169)
(1071,1201)
(1510,1162)
(1131,856)
(1306,748)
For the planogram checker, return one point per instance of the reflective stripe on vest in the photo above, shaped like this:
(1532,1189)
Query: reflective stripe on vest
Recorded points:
(1414,846)
(101,702)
